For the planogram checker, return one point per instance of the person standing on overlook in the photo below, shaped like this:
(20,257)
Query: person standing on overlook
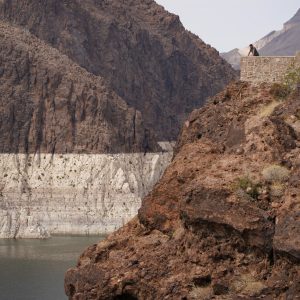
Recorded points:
(253,50)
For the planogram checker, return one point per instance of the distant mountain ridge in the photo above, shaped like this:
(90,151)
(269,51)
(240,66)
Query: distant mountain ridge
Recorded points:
(284,42)
(287,41)
(294,21)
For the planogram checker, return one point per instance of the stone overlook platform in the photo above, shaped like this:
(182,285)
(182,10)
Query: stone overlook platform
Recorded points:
(267,68)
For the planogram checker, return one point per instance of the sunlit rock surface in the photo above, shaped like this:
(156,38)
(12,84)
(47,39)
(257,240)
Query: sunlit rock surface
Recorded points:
(73,194)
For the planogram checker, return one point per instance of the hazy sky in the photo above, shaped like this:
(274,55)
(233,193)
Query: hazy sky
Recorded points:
(232,23)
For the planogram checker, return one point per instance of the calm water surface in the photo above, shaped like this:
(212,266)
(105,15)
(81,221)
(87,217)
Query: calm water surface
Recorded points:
(34,269)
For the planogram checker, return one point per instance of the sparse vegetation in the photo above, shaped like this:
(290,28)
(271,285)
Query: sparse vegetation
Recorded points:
(277,189)
(201,293)
(279,91)
(292,78)
(245,186)
(275,174)
(289,84)
(267,110)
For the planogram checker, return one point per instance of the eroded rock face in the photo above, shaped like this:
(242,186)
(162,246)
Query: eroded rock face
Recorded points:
(49,104)
(83,194)
(74,157)
(222,223)
(92,77)
(143,52)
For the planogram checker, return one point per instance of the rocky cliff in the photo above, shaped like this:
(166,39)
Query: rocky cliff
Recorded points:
(87,89)
(142,51)
(66,141)
(51,105)
(223,222)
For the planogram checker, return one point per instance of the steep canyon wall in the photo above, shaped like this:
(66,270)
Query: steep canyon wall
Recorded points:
(87,89)
(74,157)
(141,50)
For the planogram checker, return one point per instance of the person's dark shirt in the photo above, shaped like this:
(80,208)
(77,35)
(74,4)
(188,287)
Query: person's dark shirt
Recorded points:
(254,51)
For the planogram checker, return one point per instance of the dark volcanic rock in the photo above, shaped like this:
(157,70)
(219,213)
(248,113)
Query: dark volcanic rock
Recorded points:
(49,104)
(142,51)
(222,223)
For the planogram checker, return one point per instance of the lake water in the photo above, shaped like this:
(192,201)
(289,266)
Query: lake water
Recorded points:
(34,269)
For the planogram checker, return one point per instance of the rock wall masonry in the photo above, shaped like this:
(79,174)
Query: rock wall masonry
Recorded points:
(265,69)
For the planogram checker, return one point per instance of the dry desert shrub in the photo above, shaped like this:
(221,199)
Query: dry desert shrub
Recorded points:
(244,187)
(275,174)
(277,189)
(267,110)
(289,84)
(279,91)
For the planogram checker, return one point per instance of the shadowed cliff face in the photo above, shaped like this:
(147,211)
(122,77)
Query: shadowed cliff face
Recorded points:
(49,104)
(223,222)
(142,51)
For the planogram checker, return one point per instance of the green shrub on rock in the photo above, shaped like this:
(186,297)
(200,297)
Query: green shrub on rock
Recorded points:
(292,79)
(279,91)
(289,84)
(245,186)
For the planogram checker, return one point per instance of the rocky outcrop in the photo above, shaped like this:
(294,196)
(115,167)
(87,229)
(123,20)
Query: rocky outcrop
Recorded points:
(223,222)
(143,52)
(75,158)
(51,105)
(103,85)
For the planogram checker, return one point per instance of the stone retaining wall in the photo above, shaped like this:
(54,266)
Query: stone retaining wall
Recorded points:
(265,68)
